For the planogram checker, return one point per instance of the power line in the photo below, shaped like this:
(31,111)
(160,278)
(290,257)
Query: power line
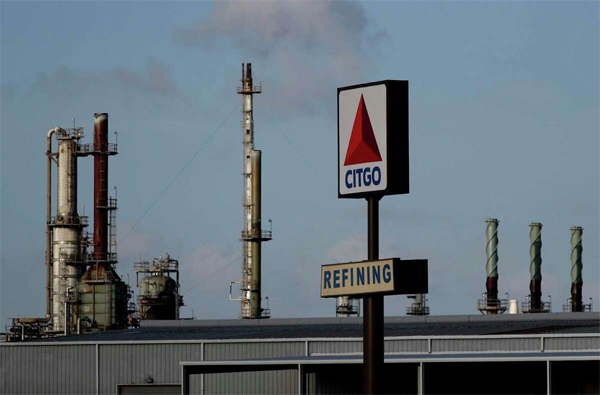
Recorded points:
(306,161)
(180,171)
(300,153)
(212,275)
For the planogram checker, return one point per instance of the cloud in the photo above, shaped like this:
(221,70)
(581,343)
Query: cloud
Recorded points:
(156,79)
(305,49)
(209,260)
(352,249)
(136,243)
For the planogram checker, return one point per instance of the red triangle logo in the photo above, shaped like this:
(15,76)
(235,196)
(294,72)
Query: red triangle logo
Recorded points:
(363,146)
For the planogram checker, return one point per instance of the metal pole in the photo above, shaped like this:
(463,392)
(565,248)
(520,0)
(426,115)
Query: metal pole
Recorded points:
(256,227)
(373,312)
(48,226)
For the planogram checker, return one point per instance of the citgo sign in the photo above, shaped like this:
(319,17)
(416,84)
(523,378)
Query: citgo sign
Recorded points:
(373,139)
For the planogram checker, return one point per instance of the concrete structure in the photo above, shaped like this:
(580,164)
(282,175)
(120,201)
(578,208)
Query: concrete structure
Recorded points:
(429,354)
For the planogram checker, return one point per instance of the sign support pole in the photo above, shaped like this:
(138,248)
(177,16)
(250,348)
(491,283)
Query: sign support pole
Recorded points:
(373,312)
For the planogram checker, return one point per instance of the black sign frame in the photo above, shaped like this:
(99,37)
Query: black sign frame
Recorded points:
(397,139)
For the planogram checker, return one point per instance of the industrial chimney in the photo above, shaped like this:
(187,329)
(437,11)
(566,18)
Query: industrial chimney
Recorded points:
(490,304)
(575,302)
(252,233)
(534,304)
(104,297)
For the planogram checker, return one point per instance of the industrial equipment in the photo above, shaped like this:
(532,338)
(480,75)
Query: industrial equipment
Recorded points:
(103,295)
(158,296)
(534,303)
(252,234)
(346,306)
(419,306)
(575,302)
(66,253)
(490,304)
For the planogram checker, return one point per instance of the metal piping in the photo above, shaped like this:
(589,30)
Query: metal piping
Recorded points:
(576,268)
(255,245)
(49,154)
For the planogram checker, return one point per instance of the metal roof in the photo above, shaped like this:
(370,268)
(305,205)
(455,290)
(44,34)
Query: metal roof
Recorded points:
(522,324)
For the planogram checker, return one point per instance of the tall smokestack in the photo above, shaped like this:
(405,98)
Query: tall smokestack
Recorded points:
(576,268)
(535,266)
(252,234)
(491,250)
(103,295)
(491,304)
(101,153)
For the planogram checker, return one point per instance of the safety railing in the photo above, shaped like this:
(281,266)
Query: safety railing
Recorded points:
(87,149)
(252,89)
(416,309)
(491,305)
(586,308)
(69,220)
(529,307)
(254,235)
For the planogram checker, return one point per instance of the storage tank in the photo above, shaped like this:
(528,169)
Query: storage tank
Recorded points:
(158,295)
(158,298)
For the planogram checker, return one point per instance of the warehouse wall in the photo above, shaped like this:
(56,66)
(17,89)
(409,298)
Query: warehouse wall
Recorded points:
(133,363)
(70,368)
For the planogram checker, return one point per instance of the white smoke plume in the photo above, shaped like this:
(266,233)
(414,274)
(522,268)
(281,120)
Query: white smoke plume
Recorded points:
(302,50)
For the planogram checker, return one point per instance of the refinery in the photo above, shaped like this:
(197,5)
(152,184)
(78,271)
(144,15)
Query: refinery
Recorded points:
(88,303)
(413,210)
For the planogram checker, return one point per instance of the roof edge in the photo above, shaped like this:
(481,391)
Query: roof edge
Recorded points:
(437,319)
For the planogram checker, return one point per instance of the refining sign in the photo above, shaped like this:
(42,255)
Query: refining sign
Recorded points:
(387,276)
(373,139)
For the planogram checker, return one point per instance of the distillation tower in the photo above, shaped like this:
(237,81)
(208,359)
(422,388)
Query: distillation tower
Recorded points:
(252,233)
(65,249)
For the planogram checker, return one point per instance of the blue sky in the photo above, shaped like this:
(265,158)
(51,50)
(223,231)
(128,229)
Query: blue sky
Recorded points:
(504,123)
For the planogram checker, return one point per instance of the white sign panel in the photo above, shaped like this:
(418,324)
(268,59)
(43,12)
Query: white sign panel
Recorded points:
(362,137)
(357,278)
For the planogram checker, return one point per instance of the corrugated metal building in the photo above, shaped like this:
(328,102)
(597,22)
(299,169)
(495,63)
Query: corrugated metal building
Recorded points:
(534,353)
